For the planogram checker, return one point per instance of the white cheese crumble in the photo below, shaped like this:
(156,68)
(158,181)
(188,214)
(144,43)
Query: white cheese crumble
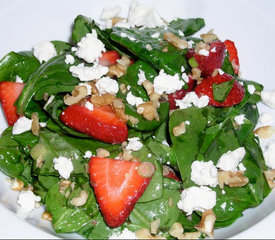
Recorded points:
(69,59)
(88,154)
(43,124)
(125,234)
(239,119)
(149,155)
(44,51)
(230,160)
(18,79)
(23,124)
(64,166)
(241,167)
(109,13)
(88,86)
(164,142)
(265,118)
(268,98)
(74,49)
(204,52)
(133,100)
(148,47)
(141,15)
(197,199)
(134,144)
(141,77)
(182,69)
(27,201)
(192,98)
(204,173)
(90,47)
(107,85)
(185,77)
(89,106)
(251,89)
(181,33)
(220,71)
(223,206)
(155,35)
(165,83)
(190,43)
(187,122)
(213,49)
(269,153)
(85,73)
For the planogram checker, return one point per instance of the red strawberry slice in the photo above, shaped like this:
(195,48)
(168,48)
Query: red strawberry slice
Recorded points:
(118,185)
(109,58)
(101,123)
(181,93)
(207,64)
(170,173)
(233,55)
(9,93)
(206,88)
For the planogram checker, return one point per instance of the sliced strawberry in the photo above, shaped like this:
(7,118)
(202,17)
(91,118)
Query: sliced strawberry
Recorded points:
(169,173)
(101,123)
(9,93)
(181,93)
(207,64)
(117,186)
(234,97)
(109,58)
(233,55)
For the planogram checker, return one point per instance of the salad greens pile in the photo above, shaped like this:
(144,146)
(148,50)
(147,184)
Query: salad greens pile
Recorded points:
(206,138)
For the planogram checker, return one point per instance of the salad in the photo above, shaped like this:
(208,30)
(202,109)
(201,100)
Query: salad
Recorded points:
(135,129)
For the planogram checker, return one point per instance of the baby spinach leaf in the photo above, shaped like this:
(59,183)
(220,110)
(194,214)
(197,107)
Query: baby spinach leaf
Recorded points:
(227,66)
(187,26)
(221,90)
(21,64)
(61,47)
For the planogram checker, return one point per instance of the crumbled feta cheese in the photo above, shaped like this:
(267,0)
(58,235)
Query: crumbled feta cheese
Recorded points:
(85,73)
(220,71)
(64,166)
(18,79)
(44,51)
(89,106)
(27,201)
(69,59)
(251,89)
(123,34)
(268,98)
(187,122)
(241,167)
(223,206)
(230,160)
(133,100)
(141,77)
(43,124)
(269,153)
(223,192)
(185,77)
(190,43)
(109,13)
(125,234)
(88,154)
(182,69)
(90,47)
(155,35)
(141,15)
(23,124)
(197,199)
(164,142)
(51,98)
(265,118)
(204,173)
(74,49)
(134,144)
(148,47)
(239,119)
(165,83)
(149,155)
(204,52)
(88,86)
(181,33)
(213,49)
(107,85)
(192,98)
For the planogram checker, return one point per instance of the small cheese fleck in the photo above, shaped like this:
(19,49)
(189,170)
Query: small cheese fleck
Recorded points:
(187,122)
(192,98)
(88,154)
(69,59)
(197,199)
(185,77)
(204,52)
(107,85)
(268,98)
(18,79)
(204,173)
(43,124)
(190,43)
(164,142)
(89,106)
(239,119)
(213,49)
(155,35)
(23,124)
(133,100)
(149,155)
(109,13)
(251,89)
(85,73)
(90,47)
(44,51)
(27,201)
(148,47)
(165,83)
(269,153)
(181,33)
(230,160)
(134,144)
(241,167)
(125,234)
(141,77)
(64,166)
(220,71)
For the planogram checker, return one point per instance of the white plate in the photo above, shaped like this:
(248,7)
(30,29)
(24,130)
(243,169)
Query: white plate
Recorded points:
(249,23)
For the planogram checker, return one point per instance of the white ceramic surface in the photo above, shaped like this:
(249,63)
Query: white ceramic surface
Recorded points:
(250,23)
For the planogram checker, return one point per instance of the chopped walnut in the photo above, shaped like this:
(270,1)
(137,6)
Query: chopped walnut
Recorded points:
(191,235)
(155,226)
(80,200)
(201,45)
(196,74)
(35,127)
(206,225)
(115,20)
(149,87)
(102,100)
(215,72)
(270,177)
(119,109)
(209,37)
(143,233)
(175,40)
(123,88)
(63,185)
(176,230)
(47,216)
(265,131)
(17,185)
(148,111)
(133,120)
(120,68)
(101,152)
(78,94)
(232,179)
(179,130)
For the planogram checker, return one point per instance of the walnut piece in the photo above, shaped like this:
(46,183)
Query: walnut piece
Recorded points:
(175,40)
(232,179)
(270,177)
(265,131)
(148,110)
(179,130)
(79,93)
(206,225)
(80,200)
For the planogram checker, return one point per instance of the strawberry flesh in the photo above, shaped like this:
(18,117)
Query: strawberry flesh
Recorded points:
(233,55)
(234,97)
(207,64)
(117,187)
(9,93)
(109,58)
(101,123)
